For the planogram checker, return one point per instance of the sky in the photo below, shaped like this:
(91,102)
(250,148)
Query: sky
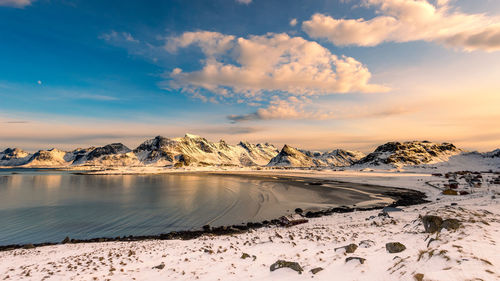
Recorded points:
(315,74)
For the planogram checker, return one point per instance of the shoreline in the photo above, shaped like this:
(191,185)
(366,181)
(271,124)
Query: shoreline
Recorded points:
(401,196)
(469,252)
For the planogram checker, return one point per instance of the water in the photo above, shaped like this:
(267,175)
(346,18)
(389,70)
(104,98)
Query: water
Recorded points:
(46,205)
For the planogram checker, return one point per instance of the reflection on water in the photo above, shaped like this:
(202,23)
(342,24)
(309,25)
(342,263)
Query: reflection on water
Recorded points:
(46,206)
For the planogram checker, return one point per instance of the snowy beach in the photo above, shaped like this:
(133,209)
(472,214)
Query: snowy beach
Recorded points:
(467,253)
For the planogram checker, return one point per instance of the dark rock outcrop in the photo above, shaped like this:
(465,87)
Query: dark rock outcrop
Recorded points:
(289,264)
(395,247)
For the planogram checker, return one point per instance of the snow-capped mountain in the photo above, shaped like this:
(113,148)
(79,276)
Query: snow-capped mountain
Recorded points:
(13,157)
(195,150)
(51,157)
(292,157)
(192,150)
(410,153)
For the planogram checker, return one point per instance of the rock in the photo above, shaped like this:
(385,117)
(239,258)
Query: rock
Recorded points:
(282,263)
(450,192)
(28,246)
(450,224)
(299,211)
(361,260)
(207,227)
(395,247)
(160,266)
(418,277)
(66,240)
(432,223)
(349,249)
(366,243)
(384,214)
(454,204)
(316,270)
(244,256)
(391,209)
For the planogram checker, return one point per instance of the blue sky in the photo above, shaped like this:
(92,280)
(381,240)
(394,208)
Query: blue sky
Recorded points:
(76,73)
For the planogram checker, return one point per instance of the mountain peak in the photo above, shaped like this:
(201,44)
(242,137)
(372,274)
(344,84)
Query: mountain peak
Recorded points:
(410,153)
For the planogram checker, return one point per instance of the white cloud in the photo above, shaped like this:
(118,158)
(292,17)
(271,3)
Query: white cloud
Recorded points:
(257,67)
(246,2)
(410,20)
(293,22)
(118,37)
(16,3)
(294,108)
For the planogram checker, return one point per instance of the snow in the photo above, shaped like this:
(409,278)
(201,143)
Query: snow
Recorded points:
(469,253)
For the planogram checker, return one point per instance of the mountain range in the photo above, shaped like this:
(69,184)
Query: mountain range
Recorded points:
(192,150)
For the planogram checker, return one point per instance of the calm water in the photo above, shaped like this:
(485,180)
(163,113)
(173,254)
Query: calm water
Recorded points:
(46,206)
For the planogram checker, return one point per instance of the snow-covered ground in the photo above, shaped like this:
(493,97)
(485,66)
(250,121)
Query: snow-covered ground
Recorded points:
(469,253)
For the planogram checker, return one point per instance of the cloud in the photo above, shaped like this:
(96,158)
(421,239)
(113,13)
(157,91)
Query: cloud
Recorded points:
(294,109)
(293,22)
(16,3)
(257,67)
(246,2)
(410,20)
(119,37)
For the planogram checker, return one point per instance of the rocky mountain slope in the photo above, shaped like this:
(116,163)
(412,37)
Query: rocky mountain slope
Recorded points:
(192,150)
(189,150)
(13,157)
(292,157)
(195,150)
(410,153)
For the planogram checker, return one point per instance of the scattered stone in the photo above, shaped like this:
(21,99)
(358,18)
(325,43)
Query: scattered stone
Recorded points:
(349,249)
(432,223)
(160,266)
(244,256)
(384,214)
(282,263)
(361,260)
(28,246)
(450,224)
(418,277)
(316,270)
(366,243)
(66,240)
(395,247)
(450,192)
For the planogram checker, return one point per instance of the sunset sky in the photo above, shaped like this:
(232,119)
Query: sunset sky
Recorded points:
(317,74)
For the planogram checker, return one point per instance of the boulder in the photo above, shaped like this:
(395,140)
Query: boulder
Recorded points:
(419,277)
(282,263)
(450,224)
(432,223)
(450,192)
(316,270)
(395,247)
(349,249)
(160,266)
